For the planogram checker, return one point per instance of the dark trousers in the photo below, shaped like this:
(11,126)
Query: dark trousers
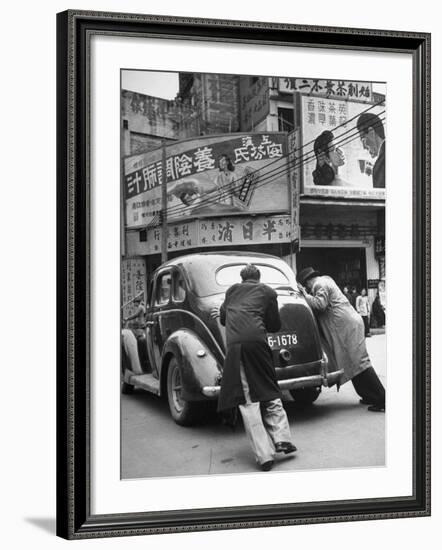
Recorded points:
(366,326)
(369,387)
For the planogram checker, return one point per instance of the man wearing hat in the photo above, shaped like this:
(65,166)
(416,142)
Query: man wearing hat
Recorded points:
(343,336)
(249,311)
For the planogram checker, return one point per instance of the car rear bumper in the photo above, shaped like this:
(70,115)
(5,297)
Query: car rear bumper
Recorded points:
(324,378)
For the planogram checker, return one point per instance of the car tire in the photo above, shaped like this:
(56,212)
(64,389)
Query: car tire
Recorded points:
(185,413)
(126,388)
(304,397)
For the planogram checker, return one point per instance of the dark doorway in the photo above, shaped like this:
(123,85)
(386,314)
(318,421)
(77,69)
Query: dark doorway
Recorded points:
(347,266)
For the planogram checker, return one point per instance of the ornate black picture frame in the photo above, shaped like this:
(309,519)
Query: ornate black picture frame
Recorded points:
(74,517)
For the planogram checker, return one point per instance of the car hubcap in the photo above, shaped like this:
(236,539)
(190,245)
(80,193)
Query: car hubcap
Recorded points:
(176,390)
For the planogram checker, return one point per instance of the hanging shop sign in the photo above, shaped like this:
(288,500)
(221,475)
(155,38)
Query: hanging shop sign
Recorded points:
(207,176)
(133,283)
(223,232)
(331,89)
(294,154)
(335,162)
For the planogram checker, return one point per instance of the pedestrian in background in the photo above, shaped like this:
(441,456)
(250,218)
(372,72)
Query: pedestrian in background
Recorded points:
(346,293)
(353,296)
(363,308)
(343,336)
(249,311)
(378,311)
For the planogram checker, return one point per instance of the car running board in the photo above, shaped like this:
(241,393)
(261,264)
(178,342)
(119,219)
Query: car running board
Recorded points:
(145,382)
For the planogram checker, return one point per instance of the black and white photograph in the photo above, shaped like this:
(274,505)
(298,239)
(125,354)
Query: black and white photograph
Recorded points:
(243,305)
(231,287)
(253,294)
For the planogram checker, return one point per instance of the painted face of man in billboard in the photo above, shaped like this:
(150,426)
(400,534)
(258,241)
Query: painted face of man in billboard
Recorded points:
(369,142)
(371,133)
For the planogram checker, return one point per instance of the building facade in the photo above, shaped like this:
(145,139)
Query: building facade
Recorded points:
(342,226)
(339,227)
(147,120)
(215,97)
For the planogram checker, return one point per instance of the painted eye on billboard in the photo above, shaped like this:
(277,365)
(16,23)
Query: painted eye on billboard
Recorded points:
(206,176)
(343,148)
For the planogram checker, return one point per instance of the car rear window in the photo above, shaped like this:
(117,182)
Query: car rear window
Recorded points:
(230,274)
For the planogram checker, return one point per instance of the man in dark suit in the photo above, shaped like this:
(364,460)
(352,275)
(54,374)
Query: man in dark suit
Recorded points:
(249,311)
(372,135)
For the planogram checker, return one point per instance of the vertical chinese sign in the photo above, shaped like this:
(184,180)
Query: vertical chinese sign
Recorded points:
(133,283)
(294,156)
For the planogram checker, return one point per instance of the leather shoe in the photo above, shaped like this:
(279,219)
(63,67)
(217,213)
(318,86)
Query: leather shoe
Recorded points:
(285,447)
(267,466)
(376,408)
(365,402)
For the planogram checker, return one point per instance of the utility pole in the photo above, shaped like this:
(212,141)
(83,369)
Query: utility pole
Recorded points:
(164,205)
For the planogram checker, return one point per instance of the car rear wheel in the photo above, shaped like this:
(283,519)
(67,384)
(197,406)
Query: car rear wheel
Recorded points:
(183,412)
(304,397)
(126,388)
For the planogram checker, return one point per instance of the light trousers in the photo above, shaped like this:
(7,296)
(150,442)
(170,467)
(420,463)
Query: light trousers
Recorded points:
(265,423)
(131,349)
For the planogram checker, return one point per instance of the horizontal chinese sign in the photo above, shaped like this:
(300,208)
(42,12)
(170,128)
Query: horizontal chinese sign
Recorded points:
(330,89)
(209,176)
(225,231)
(334,160)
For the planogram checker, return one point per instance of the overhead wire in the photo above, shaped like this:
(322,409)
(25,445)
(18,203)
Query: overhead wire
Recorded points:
(313,140)
(215,196)
(228,185)
(215,199)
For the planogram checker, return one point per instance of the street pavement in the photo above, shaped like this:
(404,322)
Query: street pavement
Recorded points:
(336,432)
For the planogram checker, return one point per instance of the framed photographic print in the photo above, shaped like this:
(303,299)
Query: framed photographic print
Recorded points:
(243,274)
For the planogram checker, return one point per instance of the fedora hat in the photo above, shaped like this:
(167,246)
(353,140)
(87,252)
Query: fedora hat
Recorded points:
(305,274)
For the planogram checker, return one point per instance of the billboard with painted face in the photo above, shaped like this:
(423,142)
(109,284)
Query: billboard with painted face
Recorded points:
(209,176)
(343,148)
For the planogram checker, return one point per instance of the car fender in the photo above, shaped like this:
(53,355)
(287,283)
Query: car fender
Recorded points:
(198,365)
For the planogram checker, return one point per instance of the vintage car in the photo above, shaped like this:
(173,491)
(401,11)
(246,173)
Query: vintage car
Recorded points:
(186,346)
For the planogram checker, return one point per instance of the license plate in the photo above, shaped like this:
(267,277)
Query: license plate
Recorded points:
(281,340)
